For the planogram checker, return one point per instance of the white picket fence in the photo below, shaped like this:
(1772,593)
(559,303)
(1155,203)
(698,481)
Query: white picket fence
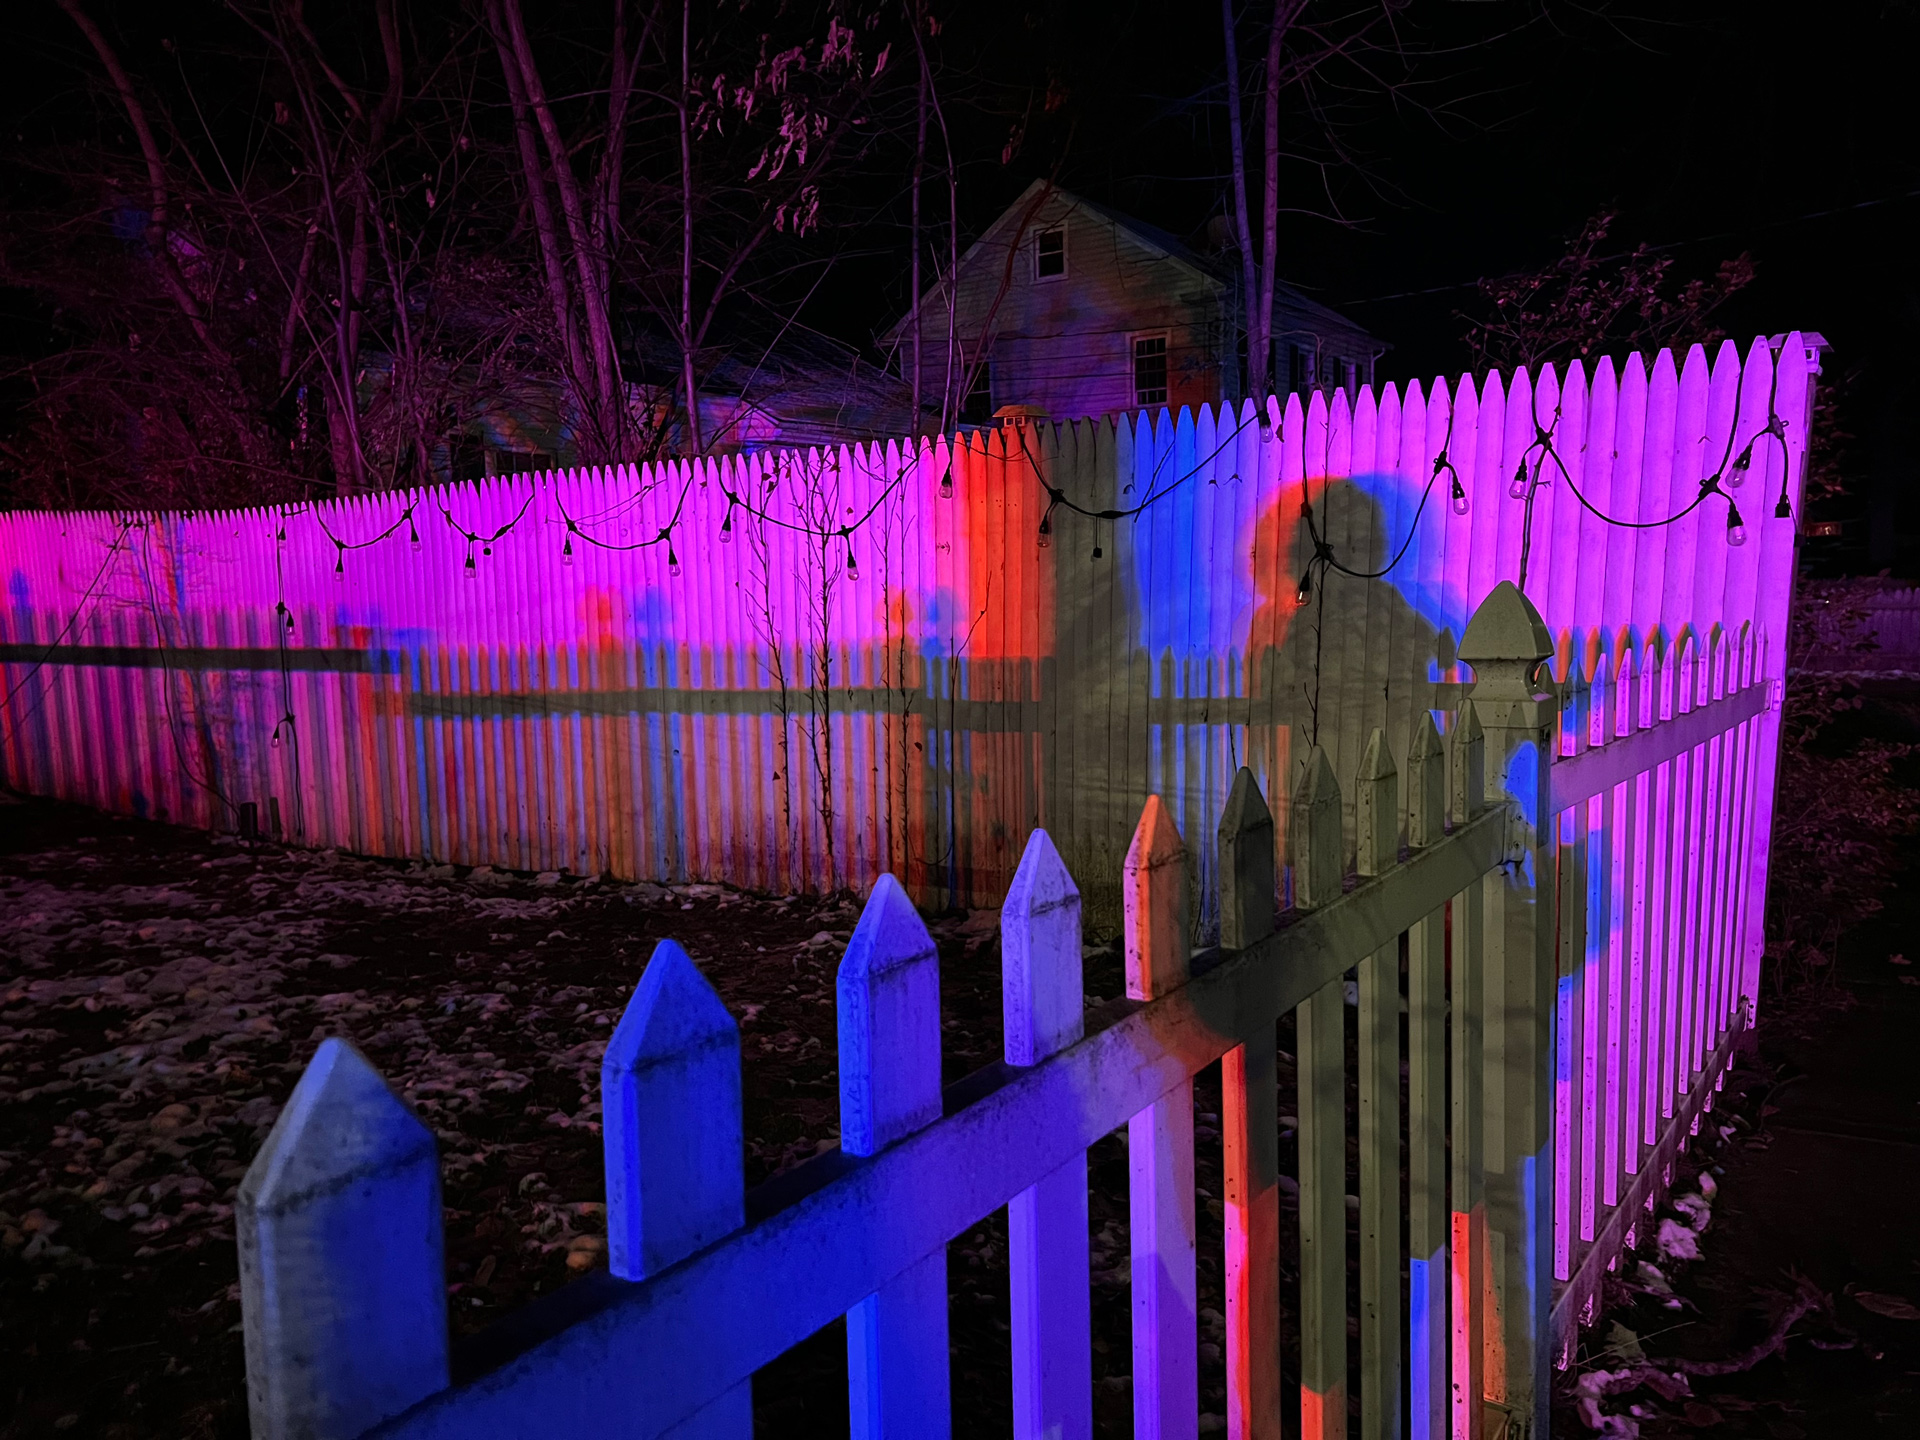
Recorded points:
(574,671)
(1560,912)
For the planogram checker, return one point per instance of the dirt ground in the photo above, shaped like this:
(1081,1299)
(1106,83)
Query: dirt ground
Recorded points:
(162,989)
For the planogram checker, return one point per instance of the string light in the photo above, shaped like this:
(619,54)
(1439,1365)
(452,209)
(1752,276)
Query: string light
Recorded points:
(1046,528)
(946,481)
(471,572)
(1737,476)
(853,565)
(413,533)
(566,552)
(726,525)
(673,560)
(339,562)
(1518,489)
(1736,527)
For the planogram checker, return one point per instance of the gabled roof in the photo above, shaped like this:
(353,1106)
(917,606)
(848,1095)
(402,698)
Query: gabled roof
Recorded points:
(1208,269)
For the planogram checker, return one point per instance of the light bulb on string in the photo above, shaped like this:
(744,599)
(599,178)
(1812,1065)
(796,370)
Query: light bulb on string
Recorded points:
(274,742)
(1303,596)
(566,552)
(1738,474)
(413,534)
(1736,527)
(673,561)
(1264,419)
(339,562)
(1046,528)
(470,572)
(1518,489)
(1460,505)
(946,482)
(853,565)
(726,525)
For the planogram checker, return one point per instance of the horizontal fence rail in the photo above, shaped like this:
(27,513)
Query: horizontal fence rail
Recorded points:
(798,670)
(1548,893)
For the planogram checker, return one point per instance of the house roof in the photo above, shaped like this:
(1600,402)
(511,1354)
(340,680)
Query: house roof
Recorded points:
(1213,270)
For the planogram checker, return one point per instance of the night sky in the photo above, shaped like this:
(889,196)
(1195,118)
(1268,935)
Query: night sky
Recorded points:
(1786,131)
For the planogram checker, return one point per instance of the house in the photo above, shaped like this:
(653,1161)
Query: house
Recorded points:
(1072,309)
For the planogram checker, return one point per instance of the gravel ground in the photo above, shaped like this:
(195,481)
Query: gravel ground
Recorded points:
(162,989)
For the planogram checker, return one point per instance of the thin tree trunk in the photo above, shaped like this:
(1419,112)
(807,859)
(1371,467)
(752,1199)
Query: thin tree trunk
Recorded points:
(694,443)
(1242,231)
(538,202)
(1284,14)
(918,18)
(592,299)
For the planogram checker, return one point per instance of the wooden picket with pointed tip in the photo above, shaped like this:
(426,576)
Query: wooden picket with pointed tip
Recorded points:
(671,1131)
(341,1292)
(1379,997)
(888,993)
(1160,1199)
(1048,1266)
(1250,1128)
(1316,847)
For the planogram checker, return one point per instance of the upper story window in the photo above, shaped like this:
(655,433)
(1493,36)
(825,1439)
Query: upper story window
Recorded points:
(1149,370)
(1050,253)
(1299,369)
(977,406)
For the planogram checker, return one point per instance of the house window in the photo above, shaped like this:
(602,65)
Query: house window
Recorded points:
(1149,370)
(1050,253)
(977,408)
(1299,372)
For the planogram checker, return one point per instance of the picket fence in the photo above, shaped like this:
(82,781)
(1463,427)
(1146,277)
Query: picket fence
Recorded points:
(1561,926)
(612,688)
(1882,643)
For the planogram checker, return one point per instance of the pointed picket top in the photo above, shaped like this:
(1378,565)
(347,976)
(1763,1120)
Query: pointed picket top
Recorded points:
(1467,770)
(1247,869)
(1154,881)
(888,997)
(342,1122)
(1315,840)
(671,1121)
(1042,998)
(1505,642)
(1576,707)
(342,1291)
(1376,808)
(1426,783)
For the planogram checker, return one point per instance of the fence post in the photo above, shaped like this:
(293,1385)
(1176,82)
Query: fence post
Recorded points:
(1043,1011)
(889,1021)
(1166,1338)
(1427,1105)
(341,1286)
(1250,1133)
(1469,1276)
(670,1102)
(1504,643)
(1317,850)
(1377,813)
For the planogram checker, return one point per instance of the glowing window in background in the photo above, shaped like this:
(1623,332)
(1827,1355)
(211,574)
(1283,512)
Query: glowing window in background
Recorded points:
(1150,370)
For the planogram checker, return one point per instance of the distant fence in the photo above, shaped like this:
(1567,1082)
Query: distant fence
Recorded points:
(1871,630)
(902,659)
(1568,952)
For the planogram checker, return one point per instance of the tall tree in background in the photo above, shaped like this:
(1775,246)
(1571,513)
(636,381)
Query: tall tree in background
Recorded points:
(1296,82)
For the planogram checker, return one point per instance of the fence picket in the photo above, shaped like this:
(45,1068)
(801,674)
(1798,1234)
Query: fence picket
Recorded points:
(1250,1131)
(888,994)
(338,1223)
(1380,1307)
(1048,1262)
(670,1101)
(1321,1068)
(1427,1217)
(1166,1377)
